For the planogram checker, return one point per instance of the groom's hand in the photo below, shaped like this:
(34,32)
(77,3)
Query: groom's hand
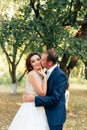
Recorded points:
(28,98)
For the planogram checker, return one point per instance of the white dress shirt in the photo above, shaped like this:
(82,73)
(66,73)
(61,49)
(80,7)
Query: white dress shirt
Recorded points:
(49,71)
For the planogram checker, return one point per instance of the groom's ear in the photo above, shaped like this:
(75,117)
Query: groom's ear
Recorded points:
(50,63)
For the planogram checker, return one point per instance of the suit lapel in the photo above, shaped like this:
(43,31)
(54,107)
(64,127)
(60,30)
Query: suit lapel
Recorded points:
(53,72)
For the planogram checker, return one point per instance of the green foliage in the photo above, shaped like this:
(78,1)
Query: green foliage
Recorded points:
(40,25)
(43,24)
(5,79)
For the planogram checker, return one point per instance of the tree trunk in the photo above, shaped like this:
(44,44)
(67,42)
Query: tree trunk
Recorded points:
(85,71)
(71,65)
(82,33)
(64,62)
(67,66)
(13,77)
(14,88)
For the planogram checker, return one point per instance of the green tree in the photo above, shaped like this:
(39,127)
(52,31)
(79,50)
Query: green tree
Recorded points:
(42,25)
(53,21)
(15,39)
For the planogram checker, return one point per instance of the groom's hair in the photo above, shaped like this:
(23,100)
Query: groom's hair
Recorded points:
(52,56)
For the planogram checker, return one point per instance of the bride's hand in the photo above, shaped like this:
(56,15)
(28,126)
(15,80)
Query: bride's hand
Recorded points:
(28,98)
(42,73)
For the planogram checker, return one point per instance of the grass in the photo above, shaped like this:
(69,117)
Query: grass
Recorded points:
(76,114)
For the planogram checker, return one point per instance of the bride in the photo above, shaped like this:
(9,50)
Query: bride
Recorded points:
(28,116)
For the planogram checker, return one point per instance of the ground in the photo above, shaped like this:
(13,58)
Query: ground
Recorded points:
(76,114)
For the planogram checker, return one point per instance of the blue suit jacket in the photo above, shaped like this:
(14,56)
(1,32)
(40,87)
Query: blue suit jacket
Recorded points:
(54,101)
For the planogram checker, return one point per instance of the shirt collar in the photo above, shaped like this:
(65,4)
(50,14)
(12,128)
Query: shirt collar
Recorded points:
(52,68)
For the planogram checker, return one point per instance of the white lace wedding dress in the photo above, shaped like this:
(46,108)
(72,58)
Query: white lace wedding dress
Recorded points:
(28,116)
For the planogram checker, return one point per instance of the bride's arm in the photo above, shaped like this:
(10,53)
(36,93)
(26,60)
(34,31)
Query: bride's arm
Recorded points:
(39,86)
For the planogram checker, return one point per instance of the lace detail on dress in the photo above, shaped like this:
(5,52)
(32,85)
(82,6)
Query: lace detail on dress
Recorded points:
(29,87)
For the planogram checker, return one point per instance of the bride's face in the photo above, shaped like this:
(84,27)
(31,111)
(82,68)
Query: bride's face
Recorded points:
(36,62)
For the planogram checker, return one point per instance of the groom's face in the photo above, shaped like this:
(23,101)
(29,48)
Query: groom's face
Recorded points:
(44,60)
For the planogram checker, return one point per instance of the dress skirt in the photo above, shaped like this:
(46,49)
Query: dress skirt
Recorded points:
(29,117)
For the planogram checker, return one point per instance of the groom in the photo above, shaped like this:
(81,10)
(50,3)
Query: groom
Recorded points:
(54,101)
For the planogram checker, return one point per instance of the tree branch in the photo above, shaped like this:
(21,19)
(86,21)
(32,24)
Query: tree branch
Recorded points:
(36,10)
(23,52)
(73,14)
(6,53)
(21,76)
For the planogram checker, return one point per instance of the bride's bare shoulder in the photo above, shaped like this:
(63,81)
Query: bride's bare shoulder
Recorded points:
(32,73)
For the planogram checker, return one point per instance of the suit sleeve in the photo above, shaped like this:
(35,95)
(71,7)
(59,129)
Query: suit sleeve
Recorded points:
(59,87)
